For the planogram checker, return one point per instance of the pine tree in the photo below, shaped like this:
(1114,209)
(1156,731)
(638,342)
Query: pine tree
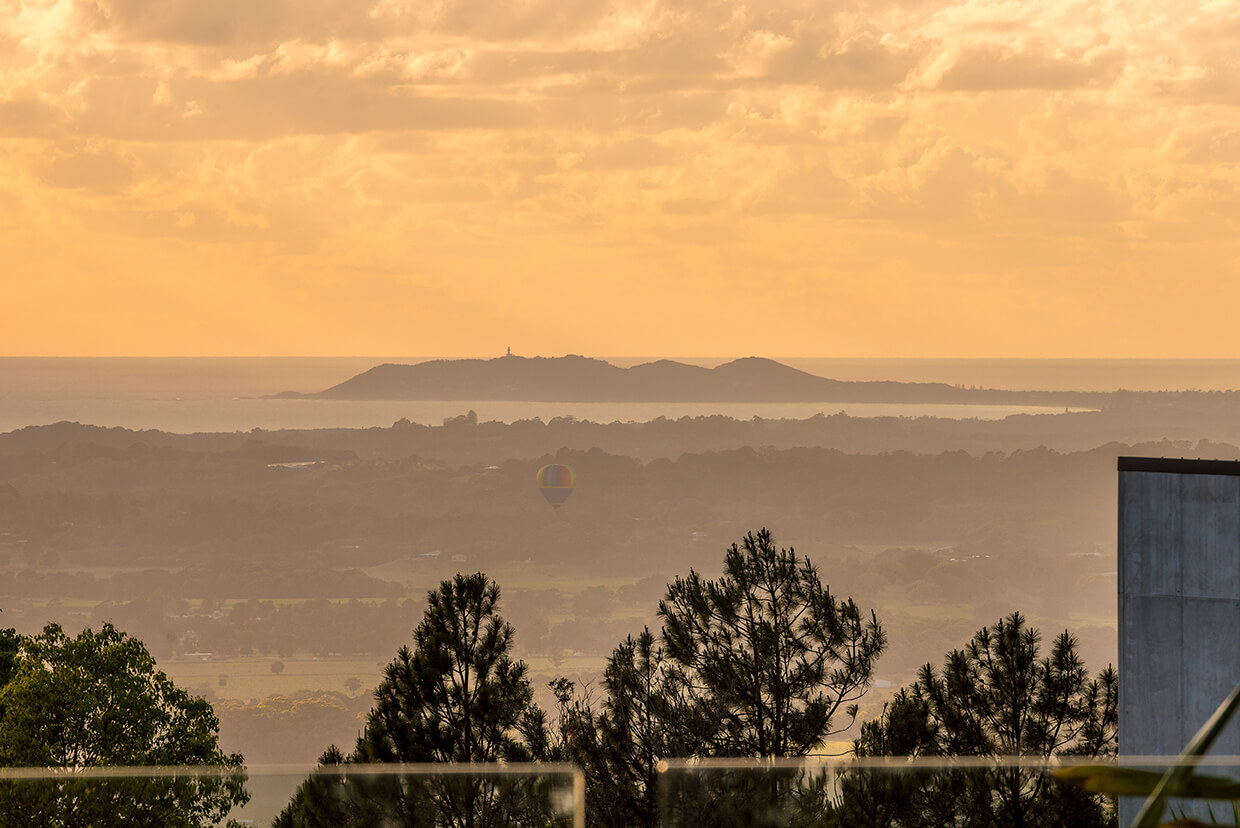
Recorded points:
(456,697)
(996,697)
(646,717)
(769,650)
(761,662)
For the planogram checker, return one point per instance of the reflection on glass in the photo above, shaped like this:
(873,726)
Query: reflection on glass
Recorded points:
(548,795)
(884,793)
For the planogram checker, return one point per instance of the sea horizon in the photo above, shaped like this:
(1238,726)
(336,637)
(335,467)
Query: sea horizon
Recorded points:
(215,376)
(224,394)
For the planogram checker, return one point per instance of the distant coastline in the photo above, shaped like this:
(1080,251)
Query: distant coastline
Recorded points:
(154,378)
(575,378)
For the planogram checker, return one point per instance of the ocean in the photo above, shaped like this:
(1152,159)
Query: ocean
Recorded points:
(187,395)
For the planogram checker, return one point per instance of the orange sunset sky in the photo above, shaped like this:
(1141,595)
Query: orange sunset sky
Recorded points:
(885,178)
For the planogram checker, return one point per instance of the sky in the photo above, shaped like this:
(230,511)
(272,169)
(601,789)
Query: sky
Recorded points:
(885,178)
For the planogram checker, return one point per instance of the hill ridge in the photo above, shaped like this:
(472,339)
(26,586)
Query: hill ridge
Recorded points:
(576,378)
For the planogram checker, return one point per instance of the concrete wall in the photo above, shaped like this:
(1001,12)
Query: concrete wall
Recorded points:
(1179,602)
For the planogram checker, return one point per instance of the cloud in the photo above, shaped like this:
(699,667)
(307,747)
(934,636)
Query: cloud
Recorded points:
(629,154)
(691,206)
(325,100)
(866,60)
(483,149)
(28,116)
(1215,146)
(486,20)
(101,171)
(993,67)
(235,22)
(943,182)
(1082,205)
(1215,80)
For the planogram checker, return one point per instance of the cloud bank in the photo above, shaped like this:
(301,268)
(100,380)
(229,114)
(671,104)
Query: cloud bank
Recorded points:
(892,177)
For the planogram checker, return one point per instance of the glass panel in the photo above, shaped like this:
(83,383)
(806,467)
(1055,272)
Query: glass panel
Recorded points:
(349,796)
(922,793)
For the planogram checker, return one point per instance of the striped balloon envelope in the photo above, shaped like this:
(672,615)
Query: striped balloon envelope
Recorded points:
(556,482)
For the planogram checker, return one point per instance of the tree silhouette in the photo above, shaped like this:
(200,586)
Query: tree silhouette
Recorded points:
(769,650)
(456,697)
(757,663)
(645,717)
(996,697)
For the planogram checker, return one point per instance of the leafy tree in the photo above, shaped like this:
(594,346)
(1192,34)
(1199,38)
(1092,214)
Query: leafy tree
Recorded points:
(996,697)
(10,647)
(769,650)
(456,697)
(97,700)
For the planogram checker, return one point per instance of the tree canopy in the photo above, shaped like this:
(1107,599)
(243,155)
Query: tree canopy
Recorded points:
(645,716)
(998,696)
(757,663)
(770,650)
(456,697)
(98,700)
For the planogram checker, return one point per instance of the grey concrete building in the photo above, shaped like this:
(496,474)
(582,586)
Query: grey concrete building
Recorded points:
(1179,602)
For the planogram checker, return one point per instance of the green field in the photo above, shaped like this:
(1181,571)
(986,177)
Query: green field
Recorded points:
(252,678)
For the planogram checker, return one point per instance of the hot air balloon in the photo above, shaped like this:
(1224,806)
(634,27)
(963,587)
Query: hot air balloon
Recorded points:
(555,481)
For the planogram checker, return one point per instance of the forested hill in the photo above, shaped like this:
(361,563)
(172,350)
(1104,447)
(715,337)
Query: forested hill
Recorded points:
(1188,418)
(581,379)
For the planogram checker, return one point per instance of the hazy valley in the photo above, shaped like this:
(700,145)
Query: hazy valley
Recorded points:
(276,572)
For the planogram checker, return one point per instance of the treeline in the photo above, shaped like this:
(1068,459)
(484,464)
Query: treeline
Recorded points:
(554,622)
(319,628)
(1125,417)
(162,512)
(764,661)
(204,579)
(906,584)
(942,542)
